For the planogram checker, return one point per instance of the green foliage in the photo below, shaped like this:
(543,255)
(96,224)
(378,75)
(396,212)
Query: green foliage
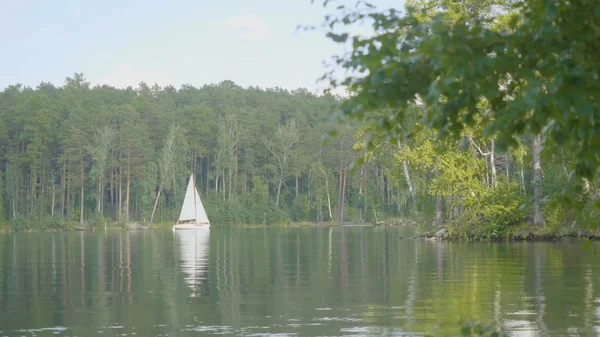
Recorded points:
(98,221)
(22,223)
(508,69)
(494,213)
(475,202)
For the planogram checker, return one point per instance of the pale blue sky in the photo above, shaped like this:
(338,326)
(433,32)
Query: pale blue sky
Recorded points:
(123,42)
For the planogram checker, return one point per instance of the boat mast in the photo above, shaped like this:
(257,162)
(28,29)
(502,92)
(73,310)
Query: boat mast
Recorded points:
(195,210)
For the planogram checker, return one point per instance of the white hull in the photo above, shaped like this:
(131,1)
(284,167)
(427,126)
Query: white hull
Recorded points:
(190,226)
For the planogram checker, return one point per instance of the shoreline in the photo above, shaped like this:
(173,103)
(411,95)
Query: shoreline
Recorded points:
(134,225)
(167,226)
(436,235)
(533,235)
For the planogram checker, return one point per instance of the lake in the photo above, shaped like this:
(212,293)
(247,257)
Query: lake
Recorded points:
(291,281)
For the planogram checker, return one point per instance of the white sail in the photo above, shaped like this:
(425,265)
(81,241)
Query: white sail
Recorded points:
(192,208)
(201,216)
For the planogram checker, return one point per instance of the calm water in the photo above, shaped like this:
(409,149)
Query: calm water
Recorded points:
(317,281)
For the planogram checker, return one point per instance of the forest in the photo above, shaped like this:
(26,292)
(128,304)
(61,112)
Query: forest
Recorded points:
(82,155)
(78,154)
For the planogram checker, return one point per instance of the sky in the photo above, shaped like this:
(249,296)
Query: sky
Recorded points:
(197,42)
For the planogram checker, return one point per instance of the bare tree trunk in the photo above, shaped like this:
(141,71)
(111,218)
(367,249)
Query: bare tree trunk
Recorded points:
(217,180)
(538,217)
(340,192)
(120,196)
(102,191)
(31,190)
(200,175)
(207,174)
(81,204)
(68,197)
(365,197)
(328,196)
(586,185)
(155,203)
(387,190)
(127,188)
(411,188)
(439,205)
(296,186)
(223,183)
(522,174)
(486,177)
(230,185)
(279,183)
(98,196)
(64,190)
(265,157)
(235,184)
(360,191)
(439,215)
(309,182)
(343,194)
(493,163)
(42,209)
(194,162)
(112,186)
(53,197)
(329,205)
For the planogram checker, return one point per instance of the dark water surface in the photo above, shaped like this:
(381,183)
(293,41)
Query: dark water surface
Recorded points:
(314,281)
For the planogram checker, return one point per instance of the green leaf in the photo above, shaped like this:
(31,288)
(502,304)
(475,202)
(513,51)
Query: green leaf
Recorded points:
(339,38)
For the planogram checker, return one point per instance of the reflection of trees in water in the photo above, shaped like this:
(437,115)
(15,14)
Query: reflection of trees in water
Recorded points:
(330,247)
(85,280)
(413,283)
(539,290)
(588,300)
(343,258)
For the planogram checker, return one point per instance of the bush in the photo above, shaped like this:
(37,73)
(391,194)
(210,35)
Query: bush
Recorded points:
(493,215)
(54,223)
(98,221)
(299,209)
(21,223)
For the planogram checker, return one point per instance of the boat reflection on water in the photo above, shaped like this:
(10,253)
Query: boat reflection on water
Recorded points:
(194,256)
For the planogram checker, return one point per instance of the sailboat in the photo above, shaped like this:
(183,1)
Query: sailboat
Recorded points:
(193,215)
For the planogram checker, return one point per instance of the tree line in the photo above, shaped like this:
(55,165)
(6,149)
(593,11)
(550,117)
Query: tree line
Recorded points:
(95,155)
